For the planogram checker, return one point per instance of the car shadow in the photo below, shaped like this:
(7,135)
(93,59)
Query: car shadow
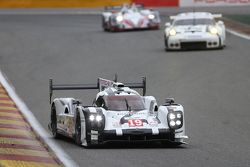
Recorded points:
(137,145)
(126,145)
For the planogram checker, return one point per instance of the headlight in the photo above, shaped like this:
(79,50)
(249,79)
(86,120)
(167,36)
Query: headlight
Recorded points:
(119,18)
(172,116)
(151,16)
(213,30)
(98,118)
(91,117)
(178,122)
(172,123)
(175,119)
(172,32)
(178,115)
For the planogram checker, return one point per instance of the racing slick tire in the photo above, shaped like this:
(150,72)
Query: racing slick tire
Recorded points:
(171,142)
(78,130)
(111,28)
(166,43)
(104,24)
(54,122)
(221,46)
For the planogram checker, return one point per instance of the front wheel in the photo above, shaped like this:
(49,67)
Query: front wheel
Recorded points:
(78,130)
(82,131)
(166,43)
(54,122)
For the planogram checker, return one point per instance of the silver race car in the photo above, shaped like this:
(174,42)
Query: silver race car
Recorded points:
(194,30)
(129,17)
(118,113)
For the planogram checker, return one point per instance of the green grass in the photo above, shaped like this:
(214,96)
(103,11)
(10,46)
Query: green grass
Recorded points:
(240,18)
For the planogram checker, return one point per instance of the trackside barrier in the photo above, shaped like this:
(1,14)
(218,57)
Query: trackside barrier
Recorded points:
(60,3)
(207,3)
(158,3)
(102,3)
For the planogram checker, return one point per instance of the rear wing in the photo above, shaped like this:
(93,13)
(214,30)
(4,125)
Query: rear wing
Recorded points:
(117,8)
(100,85)
(112,8)
(217,15)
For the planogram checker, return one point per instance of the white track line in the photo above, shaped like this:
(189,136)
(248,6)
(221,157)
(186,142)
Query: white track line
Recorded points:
(62,156)
(238,34)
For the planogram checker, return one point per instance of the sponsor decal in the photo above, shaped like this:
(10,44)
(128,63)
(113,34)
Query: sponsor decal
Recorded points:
(133,113)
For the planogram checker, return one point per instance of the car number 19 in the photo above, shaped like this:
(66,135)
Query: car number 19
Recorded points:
(135,122)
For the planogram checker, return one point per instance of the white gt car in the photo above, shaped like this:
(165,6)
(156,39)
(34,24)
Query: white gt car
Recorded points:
(194,30)
(118,113)
(129,17)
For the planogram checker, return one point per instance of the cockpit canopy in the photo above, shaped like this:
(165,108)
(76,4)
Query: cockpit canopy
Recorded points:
(194,21)
(124,103)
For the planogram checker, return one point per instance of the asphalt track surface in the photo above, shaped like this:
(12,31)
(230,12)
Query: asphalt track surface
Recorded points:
(213,86)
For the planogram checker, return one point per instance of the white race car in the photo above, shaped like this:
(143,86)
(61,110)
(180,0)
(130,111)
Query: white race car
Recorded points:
(118,113)
(129,17)
(194,30)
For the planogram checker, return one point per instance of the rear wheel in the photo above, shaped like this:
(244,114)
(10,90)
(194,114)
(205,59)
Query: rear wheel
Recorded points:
(54,121)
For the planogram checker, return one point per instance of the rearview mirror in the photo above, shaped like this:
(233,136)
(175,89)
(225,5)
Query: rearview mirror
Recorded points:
(77,102)
(169,100)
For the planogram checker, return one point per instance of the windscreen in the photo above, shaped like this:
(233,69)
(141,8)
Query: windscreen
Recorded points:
(194,21)
(125,103)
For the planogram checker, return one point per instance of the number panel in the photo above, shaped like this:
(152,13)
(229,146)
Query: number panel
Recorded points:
(135,122)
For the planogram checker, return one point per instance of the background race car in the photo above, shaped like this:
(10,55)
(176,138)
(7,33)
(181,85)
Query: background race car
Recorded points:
(194,30)
(118,113)
(129,17)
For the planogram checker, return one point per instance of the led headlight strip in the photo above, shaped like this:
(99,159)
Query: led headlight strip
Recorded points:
(96,121)
(175,119)
(151,16)
(119,18)
(94,117)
